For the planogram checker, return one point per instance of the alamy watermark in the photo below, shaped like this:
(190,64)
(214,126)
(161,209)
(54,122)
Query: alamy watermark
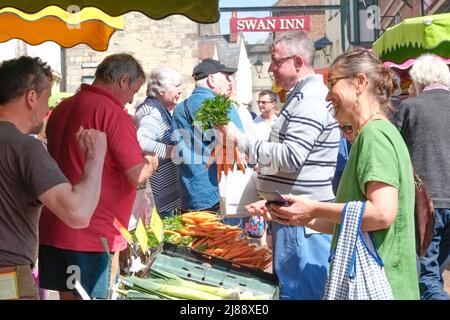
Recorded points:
(195,147)
(74,273)
(373,17)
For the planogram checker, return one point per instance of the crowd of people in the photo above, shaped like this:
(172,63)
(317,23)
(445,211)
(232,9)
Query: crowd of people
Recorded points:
(98,156)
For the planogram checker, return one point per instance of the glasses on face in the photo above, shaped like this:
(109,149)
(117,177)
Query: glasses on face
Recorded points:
(333,81)
(263,102)
(279,62)
(346,128)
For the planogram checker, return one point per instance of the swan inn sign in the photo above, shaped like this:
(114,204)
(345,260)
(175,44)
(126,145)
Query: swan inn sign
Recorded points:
(270,24)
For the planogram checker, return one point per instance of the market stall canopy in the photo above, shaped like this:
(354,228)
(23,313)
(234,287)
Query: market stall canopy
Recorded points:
(89,26)
(202,11)
(402,70)
(415,36)
(408,63)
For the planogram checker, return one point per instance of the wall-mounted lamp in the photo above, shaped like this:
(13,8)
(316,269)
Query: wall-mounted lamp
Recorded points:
(327,50)
(258,66)
(325,45)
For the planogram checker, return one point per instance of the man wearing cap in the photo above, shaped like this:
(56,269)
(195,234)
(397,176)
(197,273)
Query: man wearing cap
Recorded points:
(199,186)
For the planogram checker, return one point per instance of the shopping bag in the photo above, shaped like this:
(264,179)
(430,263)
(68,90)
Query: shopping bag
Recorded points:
(143,206)
(255,226)
(424,216)
(237,189)
(356,269)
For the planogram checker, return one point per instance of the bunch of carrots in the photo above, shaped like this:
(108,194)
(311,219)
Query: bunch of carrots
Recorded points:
(214,112)
(225,159)
(217,239)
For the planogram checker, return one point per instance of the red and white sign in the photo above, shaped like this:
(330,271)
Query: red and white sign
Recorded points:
(270,24)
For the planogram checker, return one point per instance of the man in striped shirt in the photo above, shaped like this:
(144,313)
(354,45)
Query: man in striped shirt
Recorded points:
(299,158)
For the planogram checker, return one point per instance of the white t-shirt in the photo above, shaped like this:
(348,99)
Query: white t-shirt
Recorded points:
(262,127)
(246,119)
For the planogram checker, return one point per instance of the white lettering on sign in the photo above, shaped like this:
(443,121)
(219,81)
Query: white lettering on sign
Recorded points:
(292,24)
(250,24)
(270,24)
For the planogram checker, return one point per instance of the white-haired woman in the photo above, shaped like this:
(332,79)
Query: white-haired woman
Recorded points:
(423,123)
(153,118)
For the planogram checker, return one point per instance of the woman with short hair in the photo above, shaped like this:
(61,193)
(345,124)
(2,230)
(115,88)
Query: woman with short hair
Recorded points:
(153,118)
(423,123)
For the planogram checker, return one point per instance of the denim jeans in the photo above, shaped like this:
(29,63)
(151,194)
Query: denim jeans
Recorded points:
(434,261)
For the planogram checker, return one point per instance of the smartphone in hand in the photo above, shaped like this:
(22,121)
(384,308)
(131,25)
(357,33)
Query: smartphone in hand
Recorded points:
(273,197)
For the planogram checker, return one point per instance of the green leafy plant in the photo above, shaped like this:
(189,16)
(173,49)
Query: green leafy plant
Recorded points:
(214,112)
(170,223)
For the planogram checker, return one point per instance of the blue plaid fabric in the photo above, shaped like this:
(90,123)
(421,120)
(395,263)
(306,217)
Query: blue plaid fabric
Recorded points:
(356,270)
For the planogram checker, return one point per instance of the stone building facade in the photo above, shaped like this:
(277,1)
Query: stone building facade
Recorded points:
(260,53)
(172,41)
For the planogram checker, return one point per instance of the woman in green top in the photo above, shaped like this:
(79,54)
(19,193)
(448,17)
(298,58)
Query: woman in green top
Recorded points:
(378,171)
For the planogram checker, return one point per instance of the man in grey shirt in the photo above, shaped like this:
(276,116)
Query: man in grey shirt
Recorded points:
(29,177)
(299,158)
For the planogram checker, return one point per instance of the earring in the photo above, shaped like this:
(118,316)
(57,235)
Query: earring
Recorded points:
(357,100)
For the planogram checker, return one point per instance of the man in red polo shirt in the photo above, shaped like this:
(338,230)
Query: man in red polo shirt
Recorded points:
(66,253)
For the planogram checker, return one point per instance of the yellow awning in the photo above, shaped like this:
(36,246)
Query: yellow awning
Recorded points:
(203,11)
(90,26)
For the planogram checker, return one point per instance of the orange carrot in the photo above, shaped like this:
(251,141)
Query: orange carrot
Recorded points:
(236,252)
(185,232)
(211,158)
(240,165)
(202,214)
(222,239)
(225,164)
(196,244)
(187,220)
(219,171)
(246,259)
(226,168)
(213,225)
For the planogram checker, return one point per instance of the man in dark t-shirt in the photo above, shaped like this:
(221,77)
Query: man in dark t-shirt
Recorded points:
(29,177)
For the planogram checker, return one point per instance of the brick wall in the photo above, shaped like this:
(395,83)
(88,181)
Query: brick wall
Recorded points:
(391,8)
(317,18)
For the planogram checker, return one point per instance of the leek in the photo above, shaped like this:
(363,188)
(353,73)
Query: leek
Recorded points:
(154,286)
(172,279)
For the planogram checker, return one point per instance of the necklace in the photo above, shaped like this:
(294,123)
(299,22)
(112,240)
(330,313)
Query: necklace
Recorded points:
(368,119)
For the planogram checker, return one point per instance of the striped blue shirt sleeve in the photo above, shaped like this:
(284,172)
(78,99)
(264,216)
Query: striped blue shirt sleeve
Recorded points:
(149,132)
(303,124)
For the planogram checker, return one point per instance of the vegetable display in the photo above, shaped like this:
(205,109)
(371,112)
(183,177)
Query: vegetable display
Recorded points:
(214,112)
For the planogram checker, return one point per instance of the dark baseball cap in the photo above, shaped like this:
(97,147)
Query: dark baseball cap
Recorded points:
(210,66)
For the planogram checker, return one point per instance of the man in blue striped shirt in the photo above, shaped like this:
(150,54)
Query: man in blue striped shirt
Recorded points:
(299,158)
